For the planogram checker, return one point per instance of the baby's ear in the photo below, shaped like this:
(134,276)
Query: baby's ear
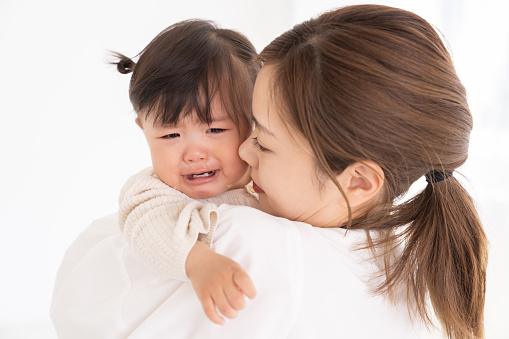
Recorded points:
(138,122)
(361,181)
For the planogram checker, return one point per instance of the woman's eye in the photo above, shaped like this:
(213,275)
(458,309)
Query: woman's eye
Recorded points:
(171,136)
(216,130)
(259,147)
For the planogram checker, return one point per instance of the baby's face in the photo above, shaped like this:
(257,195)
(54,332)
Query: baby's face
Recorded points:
(199,160)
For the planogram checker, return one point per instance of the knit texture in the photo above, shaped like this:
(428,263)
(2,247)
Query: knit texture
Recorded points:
(162,224)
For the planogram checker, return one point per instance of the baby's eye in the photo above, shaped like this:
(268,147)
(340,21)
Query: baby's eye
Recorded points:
(171,136)
(216,130)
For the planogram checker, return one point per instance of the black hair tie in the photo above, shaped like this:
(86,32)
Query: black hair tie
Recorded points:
(125,65)
(436,176)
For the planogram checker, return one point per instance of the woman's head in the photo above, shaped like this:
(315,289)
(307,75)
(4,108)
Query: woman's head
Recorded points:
(351,108)
(371,83)
(284,169)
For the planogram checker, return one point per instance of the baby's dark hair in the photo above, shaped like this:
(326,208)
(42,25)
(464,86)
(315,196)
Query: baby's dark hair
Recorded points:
(181,70)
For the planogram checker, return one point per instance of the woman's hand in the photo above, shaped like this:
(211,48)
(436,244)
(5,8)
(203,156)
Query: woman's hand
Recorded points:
(219,282)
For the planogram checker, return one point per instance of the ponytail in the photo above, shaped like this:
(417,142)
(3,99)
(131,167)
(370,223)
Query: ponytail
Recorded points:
(124,64)
(445,255)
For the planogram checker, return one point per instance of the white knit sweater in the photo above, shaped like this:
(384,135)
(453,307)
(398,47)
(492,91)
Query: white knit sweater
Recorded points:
(162,224)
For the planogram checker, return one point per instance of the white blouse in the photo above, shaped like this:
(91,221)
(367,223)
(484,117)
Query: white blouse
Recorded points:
(310,282)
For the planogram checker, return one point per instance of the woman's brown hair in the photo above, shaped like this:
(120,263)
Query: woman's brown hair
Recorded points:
(377,83)
(181,70)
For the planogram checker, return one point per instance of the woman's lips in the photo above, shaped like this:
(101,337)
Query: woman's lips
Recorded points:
(257,189)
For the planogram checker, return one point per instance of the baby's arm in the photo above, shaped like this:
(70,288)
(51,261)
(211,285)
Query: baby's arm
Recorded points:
(219,282)
(162,226)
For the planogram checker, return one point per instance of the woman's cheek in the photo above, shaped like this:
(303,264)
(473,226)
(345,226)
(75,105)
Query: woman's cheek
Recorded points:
(270,182)
(263,173)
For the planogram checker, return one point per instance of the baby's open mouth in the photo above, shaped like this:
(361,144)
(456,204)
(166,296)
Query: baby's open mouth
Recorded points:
(201,175)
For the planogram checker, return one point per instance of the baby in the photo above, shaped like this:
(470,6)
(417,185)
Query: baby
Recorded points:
(191,89)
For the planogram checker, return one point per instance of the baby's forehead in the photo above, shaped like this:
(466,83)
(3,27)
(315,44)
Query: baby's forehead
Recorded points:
(195,119)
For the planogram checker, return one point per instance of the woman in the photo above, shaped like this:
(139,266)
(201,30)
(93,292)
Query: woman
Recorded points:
(350,109)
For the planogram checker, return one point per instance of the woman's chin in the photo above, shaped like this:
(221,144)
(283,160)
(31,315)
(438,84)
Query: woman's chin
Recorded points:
(266,207)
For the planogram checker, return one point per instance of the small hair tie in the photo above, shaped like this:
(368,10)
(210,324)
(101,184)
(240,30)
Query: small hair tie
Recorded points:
(125,65)
(436,176)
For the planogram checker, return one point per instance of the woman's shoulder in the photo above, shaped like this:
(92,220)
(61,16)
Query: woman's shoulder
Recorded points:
(254,225)
(250,226)
(245,215)
(248,234)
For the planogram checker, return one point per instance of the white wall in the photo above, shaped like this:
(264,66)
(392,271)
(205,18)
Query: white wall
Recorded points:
(68,141)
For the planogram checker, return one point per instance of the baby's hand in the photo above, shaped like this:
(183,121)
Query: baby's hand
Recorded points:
(218,282)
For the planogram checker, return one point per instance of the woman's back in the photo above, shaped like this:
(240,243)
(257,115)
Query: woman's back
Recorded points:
(310,283)
(338,298)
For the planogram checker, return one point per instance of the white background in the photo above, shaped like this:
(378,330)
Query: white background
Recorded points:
(68,139)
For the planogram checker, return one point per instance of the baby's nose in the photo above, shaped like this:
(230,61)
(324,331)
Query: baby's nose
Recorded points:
(195,153)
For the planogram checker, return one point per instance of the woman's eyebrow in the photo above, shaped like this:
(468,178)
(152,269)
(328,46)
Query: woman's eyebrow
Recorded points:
(262,128)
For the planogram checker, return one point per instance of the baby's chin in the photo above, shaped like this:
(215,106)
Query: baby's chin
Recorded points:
(203,193)
(211,190)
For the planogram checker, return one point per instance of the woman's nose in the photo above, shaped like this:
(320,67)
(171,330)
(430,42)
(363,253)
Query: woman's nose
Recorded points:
(246,152)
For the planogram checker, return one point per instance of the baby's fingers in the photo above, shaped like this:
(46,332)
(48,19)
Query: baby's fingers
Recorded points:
(235,297)
(223,305)
(210,310)
(245,284)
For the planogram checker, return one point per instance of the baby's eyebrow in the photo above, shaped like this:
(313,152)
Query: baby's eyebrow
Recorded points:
(262,128)
(165,125)
(179,123)
(219,119)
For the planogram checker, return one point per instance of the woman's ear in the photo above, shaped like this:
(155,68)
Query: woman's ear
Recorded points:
(361,181)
